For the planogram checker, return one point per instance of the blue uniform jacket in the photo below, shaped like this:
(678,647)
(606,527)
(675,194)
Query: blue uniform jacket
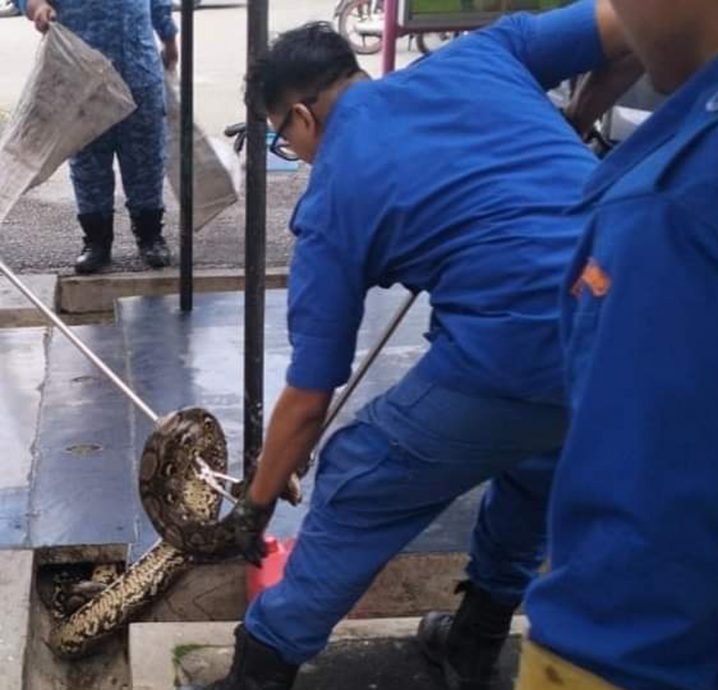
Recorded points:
(452,177)
(122,30)
(633,589)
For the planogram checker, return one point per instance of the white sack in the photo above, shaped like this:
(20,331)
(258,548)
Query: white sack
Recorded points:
(213,187)
(73,95)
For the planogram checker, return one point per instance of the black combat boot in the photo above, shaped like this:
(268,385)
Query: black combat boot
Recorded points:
(147,228)
(467,645)
(256,667)
(97,242)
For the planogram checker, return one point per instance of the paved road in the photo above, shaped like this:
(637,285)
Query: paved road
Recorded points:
(41,233)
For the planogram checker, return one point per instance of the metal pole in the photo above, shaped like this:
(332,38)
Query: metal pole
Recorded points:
(55,319)
(391,33)
(255,241)
(186,159)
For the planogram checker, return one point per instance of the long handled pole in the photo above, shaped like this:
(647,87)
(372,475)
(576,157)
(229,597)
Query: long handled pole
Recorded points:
(60,324)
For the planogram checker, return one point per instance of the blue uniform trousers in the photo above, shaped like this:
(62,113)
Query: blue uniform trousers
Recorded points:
(140,143)
(384,478)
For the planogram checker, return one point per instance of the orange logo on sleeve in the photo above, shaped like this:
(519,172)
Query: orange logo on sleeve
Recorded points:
(594,278)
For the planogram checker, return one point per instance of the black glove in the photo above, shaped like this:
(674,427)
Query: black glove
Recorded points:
(237,534)
(246,524)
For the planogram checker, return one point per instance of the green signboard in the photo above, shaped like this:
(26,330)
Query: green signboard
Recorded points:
(459,14)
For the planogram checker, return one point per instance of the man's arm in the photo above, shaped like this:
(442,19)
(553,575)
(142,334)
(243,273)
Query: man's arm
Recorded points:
(326,305)
(563,43)
(166,29)
(598,91)
(292,435)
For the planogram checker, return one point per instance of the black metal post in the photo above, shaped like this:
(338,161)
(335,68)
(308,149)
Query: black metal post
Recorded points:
(187,162)
(255,241)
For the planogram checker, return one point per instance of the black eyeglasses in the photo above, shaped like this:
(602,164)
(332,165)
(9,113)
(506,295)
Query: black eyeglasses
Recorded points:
(280,146)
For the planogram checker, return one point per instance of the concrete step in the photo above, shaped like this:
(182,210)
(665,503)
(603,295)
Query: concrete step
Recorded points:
(83,490)
(380,654)
(16,311)
(16,577)
(410,585)
(99,292)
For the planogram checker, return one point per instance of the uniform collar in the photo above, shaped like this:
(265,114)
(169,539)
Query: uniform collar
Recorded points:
(691,108)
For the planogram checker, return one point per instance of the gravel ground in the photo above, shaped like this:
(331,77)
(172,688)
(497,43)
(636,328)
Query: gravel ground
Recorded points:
(41,233)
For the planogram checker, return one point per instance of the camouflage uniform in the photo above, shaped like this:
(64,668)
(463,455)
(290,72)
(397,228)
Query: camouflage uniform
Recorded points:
(122,30)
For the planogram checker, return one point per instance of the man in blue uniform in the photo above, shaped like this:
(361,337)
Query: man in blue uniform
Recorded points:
(632,597)
(123,32)
(449,177)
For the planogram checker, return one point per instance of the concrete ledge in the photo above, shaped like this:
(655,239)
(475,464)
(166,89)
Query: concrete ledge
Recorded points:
(61,555)
(16,310)
(410,585)
(97,293)
(213,592)
(16,578)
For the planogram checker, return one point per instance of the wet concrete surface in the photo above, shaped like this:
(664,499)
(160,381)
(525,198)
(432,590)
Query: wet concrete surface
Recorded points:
(22,371)
(83,481)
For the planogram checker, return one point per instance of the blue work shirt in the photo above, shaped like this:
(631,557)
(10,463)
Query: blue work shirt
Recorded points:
(633,590)
(450,176)
(122,30)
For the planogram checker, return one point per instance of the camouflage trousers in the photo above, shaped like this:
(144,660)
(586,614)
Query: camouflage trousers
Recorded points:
(140,144)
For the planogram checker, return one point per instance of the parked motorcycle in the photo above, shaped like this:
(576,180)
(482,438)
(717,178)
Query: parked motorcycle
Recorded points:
(7,9)
(361,22)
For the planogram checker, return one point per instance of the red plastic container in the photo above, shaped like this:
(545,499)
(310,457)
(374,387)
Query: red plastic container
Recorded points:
(272,570)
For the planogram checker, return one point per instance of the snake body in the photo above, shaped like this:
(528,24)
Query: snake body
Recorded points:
(170,489)
(185,512)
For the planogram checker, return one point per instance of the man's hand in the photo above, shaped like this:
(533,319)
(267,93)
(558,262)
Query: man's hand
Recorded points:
(170,54)
(42,13)
(248,522)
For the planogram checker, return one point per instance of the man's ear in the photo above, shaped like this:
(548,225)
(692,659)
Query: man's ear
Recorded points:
(304,115)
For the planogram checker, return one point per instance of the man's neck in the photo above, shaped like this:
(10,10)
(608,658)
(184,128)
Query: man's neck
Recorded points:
(329,97)
(677,63)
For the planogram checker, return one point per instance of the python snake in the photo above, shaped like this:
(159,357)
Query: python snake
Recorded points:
(171,489)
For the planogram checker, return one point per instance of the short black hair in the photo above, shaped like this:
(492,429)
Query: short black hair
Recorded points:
(306,61)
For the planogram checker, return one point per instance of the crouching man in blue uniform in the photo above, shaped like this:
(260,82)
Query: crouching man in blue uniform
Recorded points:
(123,32)
(632,597)
(449,177)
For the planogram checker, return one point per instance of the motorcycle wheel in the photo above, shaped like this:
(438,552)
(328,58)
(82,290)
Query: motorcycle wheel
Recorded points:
(351,14)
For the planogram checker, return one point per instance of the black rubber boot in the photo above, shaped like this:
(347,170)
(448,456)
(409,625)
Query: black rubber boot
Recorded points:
(97,242)
(147,228)
(256,667)
(467,645)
